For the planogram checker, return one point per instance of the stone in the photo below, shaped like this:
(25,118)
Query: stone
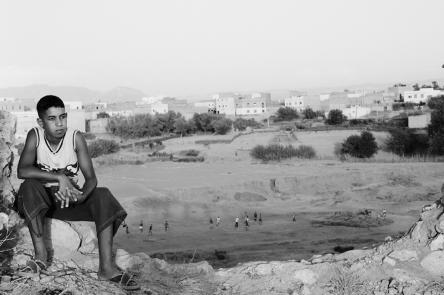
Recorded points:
(440,226)
(305,276)
(61,238)
(264,269)
(434,263)
(127,261)
(404,255)
(87,233)
(437,243)
(19,260)
(4,220)
(402,275)
(389,261)
(353,255)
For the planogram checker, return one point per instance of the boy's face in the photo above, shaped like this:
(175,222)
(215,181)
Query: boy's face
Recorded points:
(54,122)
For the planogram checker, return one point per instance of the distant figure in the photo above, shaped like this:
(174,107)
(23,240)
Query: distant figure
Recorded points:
(247,223)
(150,231)
(217,221)
(141,226)
(260,218)
(211,220)
(124,224)
(236,222)
(166,225)
(294,217)
(255,216)
(127,229)
(384,213)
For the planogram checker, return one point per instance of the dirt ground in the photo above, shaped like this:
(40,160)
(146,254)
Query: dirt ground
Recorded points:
(230,184)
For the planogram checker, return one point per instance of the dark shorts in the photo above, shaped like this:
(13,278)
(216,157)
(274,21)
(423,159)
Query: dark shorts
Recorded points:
(100,206)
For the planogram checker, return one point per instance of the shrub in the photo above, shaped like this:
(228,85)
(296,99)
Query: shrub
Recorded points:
(286,114)
(89,136)
(276,152)
(335,117)
(100,147)
(436,126)
(309,113)
(242,124)
(305,152)
(190,153)
(221,126)
(405,142)
(363,146)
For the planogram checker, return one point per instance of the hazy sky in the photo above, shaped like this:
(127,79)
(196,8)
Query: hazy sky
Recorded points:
(201,46)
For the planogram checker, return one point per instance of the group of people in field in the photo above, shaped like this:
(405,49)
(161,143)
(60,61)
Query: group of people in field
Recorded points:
(166,226)
(256,217)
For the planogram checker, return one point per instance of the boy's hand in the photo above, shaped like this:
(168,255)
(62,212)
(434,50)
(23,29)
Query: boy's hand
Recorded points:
(67,192)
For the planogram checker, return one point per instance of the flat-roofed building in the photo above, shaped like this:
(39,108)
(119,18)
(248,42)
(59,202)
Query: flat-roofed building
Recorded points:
(225,103)
(422,95)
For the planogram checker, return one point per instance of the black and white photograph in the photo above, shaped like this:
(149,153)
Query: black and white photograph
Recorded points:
(210,147)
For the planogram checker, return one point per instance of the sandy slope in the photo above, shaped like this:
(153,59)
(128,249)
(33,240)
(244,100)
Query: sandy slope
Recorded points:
(229,184)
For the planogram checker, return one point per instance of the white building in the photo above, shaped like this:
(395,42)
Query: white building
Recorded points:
(355,112)
(225,103)
(251,106)
(422,95)
(295,102)
(73,105)
(150,100)
(158,108)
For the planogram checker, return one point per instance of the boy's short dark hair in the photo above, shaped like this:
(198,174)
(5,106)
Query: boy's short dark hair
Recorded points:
(48,101)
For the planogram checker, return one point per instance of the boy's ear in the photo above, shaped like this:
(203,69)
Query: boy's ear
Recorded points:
(40,122)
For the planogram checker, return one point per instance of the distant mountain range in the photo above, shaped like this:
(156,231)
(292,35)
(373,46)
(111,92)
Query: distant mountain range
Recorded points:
(86,95)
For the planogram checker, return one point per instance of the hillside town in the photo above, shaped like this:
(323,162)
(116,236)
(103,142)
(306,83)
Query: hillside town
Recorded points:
(357,104)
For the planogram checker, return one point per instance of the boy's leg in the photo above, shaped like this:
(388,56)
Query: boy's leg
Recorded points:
(102,208)
(107,268)
(33,203)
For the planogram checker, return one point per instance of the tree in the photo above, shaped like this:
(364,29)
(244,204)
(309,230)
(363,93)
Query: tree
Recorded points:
(309,113)
(435,85)
(102,115)
(335,117)
(203,121)
(360,146)
(403,141)
(435,129)
(286,114)
(181,126)
(222,125)
(415,87)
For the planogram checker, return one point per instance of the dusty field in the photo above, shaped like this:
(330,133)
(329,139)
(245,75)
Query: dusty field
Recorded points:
(229,183)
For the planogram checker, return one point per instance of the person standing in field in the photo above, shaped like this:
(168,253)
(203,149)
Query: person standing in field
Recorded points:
(150,230)
(236,222)
(217,221)
(255,216)
(260,218)
(166,225)
(141,226)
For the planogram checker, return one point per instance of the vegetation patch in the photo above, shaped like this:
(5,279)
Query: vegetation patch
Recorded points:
(100,147)
(277,152)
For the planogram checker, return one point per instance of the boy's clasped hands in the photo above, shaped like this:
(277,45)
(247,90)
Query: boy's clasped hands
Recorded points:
(68,193)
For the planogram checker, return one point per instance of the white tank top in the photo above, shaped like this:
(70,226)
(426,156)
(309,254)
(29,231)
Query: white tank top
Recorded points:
(62,160)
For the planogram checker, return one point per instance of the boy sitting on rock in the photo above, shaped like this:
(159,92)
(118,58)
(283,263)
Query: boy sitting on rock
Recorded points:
(50,162)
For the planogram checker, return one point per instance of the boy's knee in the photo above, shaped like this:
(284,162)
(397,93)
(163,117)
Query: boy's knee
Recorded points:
(30,185)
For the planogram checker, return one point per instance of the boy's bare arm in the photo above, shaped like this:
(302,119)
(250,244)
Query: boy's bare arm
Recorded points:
(26,168)
(86,166)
